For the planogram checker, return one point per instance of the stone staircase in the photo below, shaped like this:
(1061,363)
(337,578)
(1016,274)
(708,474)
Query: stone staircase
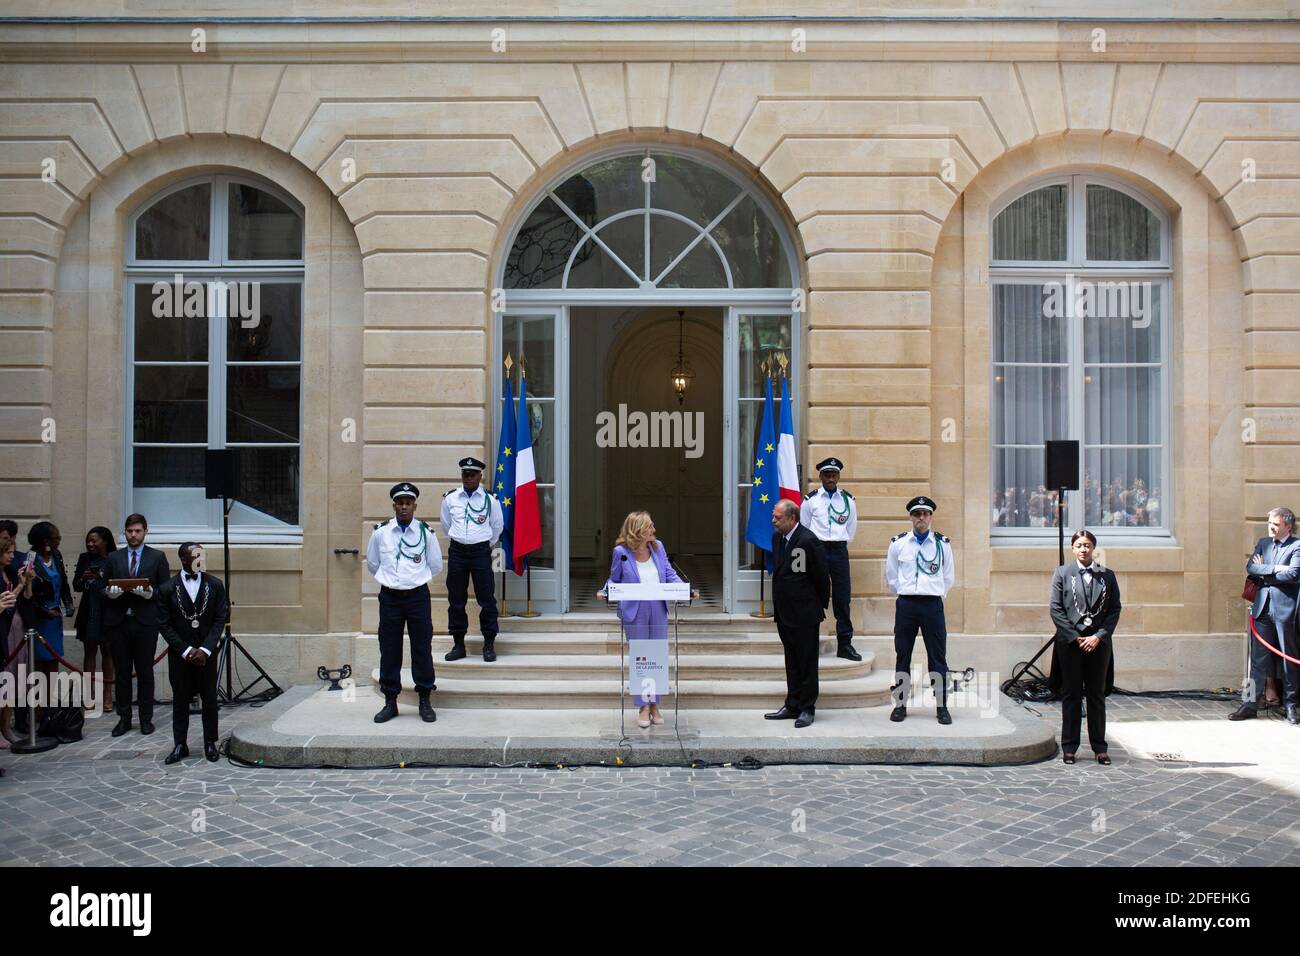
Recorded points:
(571,661)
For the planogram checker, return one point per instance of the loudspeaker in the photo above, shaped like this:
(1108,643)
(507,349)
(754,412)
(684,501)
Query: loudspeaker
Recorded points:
(221,472)
(1062,464)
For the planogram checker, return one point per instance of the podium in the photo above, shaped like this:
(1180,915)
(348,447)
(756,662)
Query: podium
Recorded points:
(643,663)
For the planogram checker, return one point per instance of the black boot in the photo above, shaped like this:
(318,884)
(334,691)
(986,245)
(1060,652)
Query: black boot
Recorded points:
(427,713)
(389,711)
(457,650)
(489,649)
(848,652)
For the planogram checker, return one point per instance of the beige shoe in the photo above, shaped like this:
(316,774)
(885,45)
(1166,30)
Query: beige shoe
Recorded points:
(643,719)
(656,717)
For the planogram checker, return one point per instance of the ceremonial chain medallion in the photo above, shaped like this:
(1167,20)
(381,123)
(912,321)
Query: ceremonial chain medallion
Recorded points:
(839,517)
(404,546)
(1087,612)
(198,613)
(931,564)
(477,515)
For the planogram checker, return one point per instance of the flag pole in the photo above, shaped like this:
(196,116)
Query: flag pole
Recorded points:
(504,610)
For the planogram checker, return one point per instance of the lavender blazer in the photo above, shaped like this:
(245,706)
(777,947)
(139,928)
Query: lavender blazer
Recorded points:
(642,619)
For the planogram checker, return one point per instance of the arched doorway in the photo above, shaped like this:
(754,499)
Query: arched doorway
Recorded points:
(598,266)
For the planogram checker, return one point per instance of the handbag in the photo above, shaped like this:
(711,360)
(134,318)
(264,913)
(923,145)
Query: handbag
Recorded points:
(65,723)
(1249,590)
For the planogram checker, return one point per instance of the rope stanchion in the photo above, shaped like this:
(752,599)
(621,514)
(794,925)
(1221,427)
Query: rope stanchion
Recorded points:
(1260,638)
(34,744)
(56,655)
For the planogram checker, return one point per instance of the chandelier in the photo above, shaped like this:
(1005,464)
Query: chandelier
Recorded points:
(682,374)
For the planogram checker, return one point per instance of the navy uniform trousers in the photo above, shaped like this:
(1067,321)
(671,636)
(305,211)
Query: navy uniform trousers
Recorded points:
(913,611)
(410,610)
(463,562)
(837,563)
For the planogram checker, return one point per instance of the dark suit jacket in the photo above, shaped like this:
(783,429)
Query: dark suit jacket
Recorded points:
(153,565)
(178,611)
(1070,603)
(1280,592)
(90,612)
(799,598)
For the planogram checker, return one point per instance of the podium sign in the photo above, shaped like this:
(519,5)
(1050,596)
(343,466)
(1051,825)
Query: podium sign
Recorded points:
(647,668)
(650,592)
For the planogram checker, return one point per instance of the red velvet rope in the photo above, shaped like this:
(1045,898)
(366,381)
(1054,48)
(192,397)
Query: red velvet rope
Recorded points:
(17,651)
(1268,645)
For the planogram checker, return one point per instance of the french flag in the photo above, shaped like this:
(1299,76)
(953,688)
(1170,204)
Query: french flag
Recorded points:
(787,475)
(528,516)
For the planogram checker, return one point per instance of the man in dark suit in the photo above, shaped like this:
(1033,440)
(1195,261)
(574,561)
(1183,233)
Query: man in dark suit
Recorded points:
(131,621)
(1274,566)
(194,613)
(801,589)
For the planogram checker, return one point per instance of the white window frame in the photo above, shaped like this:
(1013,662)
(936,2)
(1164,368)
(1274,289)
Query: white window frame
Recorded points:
(214,268)
(1158,272)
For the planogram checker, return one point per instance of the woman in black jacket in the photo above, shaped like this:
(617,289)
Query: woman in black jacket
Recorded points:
(15,607)
(90,578)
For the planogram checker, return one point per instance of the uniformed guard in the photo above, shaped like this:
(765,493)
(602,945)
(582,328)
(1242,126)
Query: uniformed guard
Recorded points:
(919,569)
(831,513)
(404,555)
(472,521)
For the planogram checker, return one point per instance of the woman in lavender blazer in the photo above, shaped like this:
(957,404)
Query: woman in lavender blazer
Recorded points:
(640,559)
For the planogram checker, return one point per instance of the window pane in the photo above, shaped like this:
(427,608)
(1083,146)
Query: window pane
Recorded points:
(1032,229)
(1023,329)
(543,557)
(610,186)
(276,335)
(171,403)
(1120,229)
(1029,405)
(627,240)
(751,420)
(1020,499)
(753,248)
(1123,487)
(261,226)
(701,269)
(168,486)
(690,188)
(262,403)
(1122,406)
(542,417)
(594,269)
(533,337)
(268,487)
(176,226)
(748,556)
(761,336)
(542,248)
(1126,325)
(172,338)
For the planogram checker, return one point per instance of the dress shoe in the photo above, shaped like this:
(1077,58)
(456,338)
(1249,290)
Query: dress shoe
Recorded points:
(123,725)
(489,650)
(1292,714)
(388,713)
(848,652)
(805,720)
(146,726)
(179,752)
(898,714)
(457,651)
(427,713)
(210,751)
(943,715)
(1244,712)
(785,713)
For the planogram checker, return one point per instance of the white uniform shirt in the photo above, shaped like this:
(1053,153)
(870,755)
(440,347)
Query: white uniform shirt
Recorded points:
(815,515)
(907,556)
(471,519)
(399,571)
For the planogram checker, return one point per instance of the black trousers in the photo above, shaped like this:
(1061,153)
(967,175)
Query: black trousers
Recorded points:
(463,562)
(837,563)
(1083,673)
(1263,662)
(133,646)
(800,646)
(188,680)
(913,612)
(407,610)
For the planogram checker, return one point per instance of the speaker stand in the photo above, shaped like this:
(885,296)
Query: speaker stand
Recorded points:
(227,695)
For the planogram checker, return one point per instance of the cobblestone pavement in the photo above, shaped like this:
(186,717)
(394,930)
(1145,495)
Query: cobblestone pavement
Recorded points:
(106,801)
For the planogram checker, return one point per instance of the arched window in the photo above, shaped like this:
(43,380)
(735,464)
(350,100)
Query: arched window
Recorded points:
(213,300)
(1080,283)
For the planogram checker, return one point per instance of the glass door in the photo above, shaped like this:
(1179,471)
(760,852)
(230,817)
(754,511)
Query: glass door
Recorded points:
(755,338)
(537,339)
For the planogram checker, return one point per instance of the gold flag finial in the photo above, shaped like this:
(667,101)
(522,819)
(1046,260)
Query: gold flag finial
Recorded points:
(784,362)
(508,363)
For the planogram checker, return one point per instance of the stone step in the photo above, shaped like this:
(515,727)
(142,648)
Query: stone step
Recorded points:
(693,623)
(606,642)
(871,690)
(589,666)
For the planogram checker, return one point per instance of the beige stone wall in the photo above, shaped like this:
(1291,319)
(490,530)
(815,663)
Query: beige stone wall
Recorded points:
(447,150)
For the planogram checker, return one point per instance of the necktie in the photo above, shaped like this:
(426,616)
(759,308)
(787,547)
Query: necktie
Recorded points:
(134,563)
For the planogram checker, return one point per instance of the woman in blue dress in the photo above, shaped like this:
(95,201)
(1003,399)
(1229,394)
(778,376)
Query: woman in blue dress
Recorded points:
(51,593)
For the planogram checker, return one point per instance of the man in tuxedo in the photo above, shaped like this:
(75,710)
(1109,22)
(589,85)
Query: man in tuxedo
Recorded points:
(194,613)
(1274,566)
(131,621)
(801,589)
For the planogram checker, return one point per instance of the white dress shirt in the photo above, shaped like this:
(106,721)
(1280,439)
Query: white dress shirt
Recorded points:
(907,555)
(418,563)
(192,589)
(471,519)
(815,515)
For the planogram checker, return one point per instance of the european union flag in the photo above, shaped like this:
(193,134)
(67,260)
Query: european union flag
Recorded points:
(766,491)
(503,475)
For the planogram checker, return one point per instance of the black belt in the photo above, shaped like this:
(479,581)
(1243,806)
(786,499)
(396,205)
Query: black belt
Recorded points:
(478,546)
(385,589)
(836,545)
(920,597)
